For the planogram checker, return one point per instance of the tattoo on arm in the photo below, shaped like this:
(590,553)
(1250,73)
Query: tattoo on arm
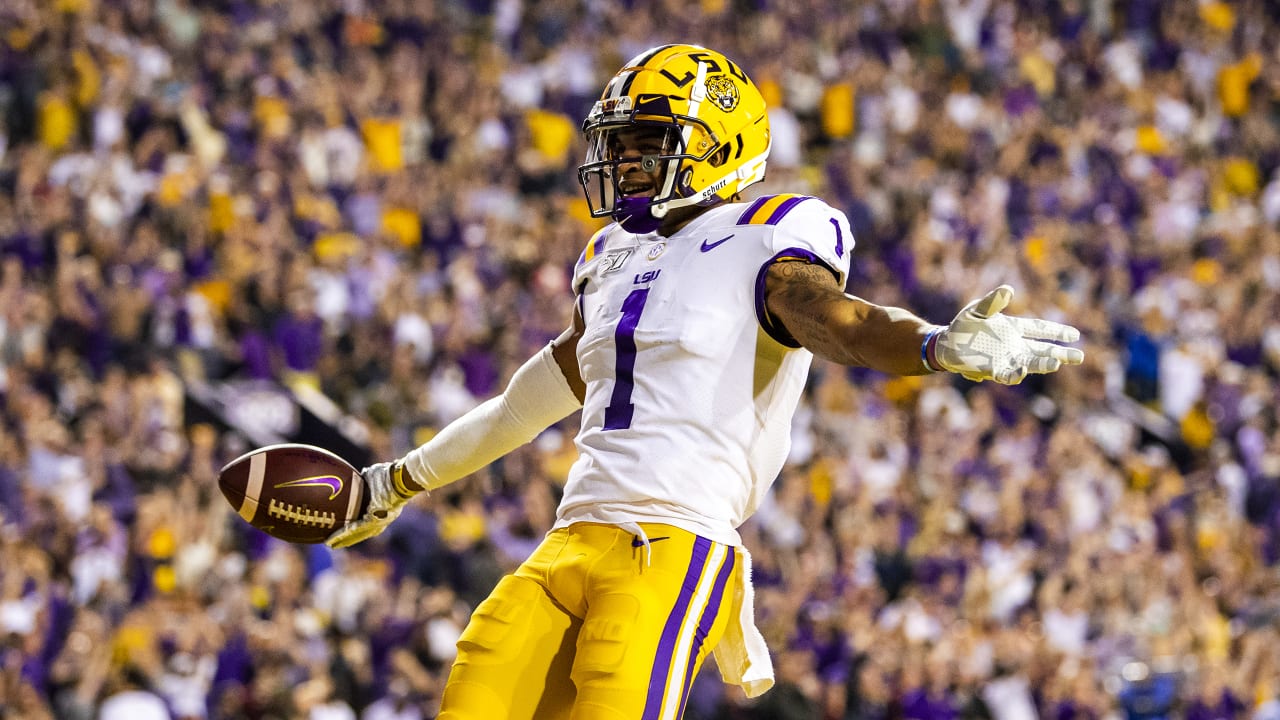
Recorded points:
(806,299)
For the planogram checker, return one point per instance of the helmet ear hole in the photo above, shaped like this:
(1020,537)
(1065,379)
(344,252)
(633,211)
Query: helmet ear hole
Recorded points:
(719,157)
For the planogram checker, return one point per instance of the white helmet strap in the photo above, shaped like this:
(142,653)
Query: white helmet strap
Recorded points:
(696,96)
(749,172)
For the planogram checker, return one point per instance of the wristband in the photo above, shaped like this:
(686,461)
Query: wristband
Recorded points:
(401,481)
(929,350)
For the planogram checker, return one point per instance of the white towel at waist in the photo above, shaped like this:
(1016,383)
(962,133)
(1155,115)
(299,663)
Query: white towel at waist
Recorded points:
(742,655)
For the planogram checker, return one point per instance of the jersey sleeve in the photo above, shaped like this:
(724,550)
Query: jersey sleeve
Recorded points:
(807,229)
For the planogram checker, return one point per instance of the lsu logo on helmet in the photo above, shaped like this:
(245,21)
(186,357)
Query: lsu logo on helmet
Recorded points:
(722,91)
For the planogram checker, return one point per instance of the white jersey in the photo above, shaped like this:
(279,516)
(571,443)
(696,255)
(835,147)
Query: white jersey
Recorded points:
(690,388)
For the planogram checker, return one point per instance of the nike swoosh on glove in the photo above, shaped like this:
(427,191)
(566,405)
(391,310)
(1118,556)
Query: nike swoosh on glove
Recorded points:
(982,343)
(385,504)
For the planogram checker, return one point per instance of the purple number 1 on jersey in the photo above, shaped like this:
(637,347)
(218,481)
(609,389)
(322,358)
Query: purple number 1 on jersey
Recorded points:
(618,414)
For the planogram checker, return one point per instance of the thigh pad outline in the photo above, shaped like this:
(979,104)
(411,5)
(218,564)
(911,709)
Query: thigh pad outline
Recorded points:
(500,625)
(607,635)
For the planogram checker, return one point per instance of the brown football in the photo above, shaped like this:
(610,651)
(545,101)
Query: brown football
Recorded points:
(299,493)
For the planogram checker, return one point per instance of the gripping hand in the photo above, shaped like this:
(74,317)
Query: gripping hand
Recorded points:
(384,482)
(982,343)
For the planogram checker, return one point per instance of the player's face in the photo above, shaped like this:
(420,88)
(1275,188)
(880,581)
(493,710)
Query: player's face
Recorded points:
(636,150)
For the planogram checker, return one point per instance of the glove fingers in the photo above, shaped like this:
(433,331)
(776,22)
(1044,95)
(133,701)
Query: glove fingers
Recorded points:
(1011,375)
(1040,329)
(1062,354)
(992,303)
(1041,365)
(356,532)
(346,537)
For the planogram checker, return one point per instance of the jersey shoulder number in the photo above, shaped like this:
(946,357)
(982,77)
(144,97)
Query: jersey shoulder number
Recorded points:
(804,227)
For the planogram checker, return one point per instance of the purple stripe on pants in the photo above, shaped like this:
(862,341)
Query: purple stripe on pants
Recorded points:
(671,632)
(704,624)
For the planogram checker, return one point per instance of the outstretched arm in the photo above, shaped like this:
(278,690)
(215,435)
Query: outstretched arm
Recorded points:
(546,389)
(541,392)
(805,299)
(981,343)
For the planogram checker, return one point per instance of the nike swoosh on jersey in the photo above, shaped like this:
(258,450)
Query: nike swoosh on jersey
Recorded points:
(709,246)
(637,542)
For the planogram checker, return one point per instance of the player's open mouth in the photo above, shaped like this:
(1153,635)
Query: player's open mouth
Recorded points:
(636,189)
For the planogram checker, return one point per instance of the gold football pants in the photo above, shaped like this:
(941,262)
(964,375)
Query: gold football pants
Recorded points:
(595,625)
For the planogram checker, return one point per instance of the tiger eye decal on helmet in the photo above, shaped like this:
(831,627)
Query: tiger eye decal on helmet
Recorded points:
(718,130)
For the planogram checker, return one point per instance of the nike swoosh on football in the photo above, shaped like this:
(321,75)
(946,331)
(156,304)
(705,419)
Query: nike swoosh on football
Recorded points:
(637,542)
(332,482)
(708,247)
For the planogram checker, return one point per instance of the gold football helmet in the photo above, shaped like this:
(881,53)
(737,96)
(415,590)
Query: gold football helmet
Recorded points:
(714,140)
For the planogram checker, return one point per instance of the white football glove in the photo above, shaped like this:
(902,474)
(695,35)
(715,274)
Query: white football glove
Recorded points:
(981,343)
(385,504)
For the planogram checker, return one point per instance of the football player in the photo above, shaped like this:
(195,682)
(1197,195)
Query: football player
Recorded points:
(696,318)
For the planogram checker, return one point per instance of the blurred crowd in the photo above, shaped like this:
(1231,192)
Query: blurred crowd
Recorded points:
(377,200)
